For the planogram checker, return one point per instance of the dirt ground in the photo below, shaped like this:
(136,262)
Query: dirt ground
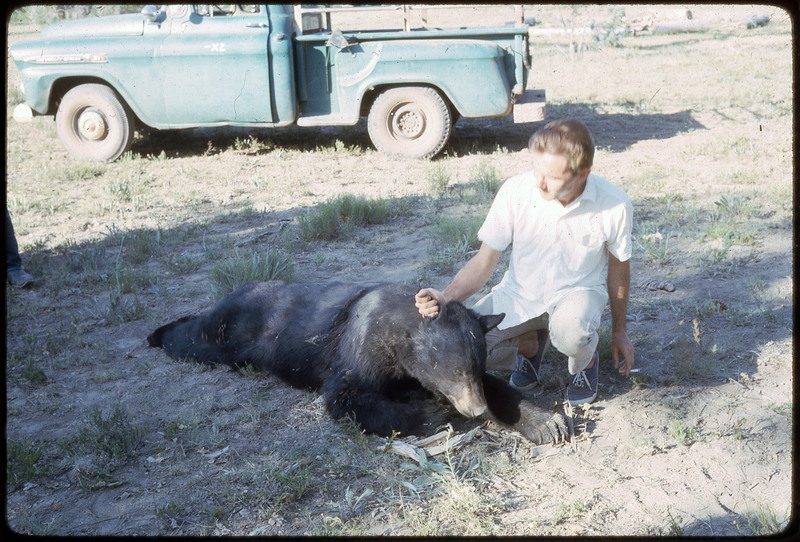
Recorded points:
(699,442)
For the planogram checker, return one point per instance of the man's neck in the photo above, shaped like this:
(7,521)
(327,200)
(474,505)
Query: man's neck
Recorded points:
(574,193)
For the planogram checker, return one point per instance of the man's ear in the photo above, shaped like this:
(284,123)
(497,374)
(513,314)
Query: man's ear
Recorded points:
(490,321)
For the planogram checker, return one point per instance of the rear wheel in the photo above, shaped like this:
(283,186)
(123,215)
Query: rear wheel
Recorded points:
(93,123)
(411,122)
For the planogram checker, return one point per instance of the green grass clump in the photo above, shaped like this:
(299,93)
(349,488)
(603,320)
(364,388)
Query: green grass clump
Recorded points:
(331,217)
(736,206)
(141,244)
(695,356)
(763,521)
(486,181)
(228,275)
(438,180)
(114,436)
(684,434)
(653,244)
(456,240)
(101,446)
(82,171)
(459,234)
(23,461)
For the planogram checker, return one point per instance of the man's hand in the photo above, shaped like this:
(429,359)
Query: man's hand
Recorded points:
(621,344)
(619,284)
(428,301)
(468,281)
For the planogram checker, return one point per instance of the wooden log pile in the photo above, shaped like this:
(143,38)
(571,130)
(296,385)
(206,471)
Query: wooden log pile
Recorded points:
(756,21)
(685,24)
(679,27)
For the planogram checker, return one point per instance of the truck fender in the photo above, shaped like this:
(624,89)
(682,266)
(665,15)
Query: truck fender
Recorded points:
(58,84)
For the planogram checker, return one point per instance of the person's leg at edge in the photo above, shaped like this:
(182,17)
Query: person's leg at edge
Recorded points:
(15,274)
(13,261)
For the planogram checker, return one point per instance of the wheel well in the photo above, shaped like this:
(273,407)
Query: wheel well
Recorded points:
(64,85)
(372,93)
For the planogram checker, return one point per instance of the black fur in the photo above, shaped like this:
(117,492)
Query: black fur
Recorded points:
(364,349)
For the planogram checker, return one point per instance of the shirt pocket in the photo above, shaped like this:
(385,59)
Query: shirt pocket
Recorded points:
(586,254)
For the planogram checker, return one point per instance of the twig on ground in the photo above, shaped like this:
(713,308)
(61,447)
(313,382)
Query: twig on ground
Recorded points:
(261,235)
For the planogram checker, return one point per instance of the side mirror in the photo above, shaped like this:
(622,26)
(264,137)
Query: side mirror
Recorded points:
(338,40)
(150,13)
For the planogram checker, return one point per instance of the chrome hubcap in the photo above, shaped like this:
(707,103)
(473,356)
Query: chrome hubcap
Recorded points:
(92,125)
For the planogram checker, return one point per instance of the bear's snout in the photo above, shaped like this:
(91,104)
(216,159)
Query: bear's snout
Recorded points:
(468,400)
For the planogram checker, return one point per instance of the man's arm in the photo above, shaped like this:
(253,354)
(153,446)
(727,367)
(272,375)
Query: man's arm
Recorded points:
(619,285)
(467,281)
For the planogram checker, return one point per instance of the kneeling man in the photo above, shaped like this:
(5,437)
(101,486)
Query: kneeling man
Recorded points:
(570,237)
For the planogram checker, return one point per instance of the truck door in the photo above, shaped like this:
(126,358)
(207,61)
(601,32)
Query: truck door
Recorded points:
(215,68)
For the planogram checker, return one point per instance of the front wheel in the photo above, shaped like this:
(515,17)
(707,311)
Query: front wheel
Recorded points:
(411,122)
(94,123)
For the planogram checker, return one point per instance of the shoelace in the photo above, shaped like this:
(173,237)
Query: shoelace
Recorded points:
(581,380)
(523,365)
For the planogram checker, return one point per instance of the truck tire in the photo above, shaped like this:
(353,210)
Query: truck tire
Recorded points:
(94,123)
(411,122)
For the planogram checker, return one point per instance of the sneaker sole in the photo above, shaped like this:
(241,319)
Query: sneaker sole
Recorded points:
(579,402)
(523,388)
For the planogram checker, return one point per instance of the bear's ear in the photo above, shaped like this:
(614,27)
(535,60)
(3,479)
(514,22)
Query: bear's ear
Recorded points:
(491,320)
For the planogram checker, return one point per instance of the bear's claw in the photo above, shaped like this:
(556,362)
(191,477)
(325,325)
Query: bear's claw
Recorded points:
(559,430)
(540,426)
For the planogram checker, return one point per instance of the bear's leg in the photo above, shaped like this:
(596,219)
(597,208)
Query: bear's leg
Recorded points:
(375,412)
(508,407)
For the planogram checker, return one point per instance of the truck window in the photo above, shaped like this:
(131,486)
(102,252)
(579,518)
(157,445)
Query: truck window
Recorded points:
(226,10)
(176,10)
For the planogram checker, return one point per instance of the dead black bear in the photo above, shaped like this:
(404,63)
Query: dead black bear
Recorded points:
(365,349)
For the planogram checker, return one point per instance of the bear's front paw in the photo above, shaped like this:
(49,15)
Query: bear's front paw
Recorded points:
(540,426)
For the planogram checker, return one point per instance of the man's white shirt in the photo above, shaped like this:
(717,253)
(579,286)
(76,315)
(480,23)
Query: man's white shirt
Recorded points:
(555,249)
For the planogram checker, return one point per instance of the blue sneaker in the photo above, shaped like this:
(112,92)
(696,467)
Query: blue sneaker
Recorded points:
(526,371)
(583,387)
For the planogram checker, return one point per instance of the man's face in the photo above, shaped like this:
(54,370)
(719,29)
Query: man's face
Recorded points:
(555,179)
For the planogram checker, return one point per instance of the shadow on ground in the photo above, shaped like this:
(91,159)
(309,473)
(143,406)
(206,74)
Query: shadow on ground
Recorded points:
(613,132)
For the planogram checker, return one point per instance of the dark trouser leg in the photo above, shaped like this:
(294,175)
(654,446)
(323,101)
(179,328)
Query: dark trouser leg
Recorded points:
(13,260)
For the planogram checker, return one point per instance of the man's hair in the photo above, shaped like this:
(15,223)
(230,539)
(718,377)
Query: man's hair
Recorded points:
(569,138)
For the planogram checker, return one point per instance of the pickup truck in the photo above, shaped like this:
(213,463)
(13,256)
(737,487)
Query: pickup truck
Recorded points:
(190,66)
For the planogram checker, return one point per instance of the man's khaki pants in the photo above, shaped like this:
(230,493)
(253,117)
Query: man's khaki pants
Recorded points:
(572,323)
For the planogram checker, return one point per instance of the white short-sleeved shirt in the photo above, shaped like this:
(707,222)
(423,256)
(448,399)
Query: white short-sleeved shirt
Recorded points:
(555,249)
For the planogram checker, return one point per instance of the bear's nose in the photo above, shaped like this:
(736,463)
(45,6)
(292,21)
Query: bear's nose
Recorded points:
(476,410)
(469,403)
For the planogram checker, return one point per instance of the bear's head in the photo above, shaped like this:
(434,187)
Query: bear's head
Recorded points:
(450,356)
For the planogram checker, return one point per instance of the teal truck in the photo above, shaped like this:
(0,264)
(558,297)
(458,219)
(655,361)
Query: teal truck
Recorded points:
(189,66)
